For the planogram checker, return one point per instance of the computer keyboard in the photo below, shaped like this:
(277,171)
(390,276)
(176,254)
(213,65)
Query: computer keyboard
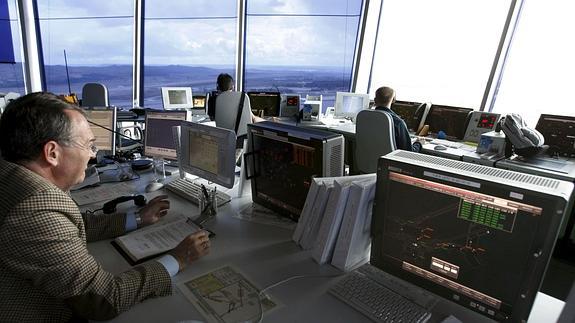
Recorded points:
(447,143)
(191,191)
(376,301)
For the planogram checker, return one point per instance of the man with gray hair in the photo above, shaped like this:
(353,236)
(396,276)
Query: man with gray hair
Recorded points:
(47,273)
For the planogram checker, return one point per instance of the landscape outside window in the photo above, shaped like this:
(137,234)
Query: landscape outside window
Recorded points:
(11,76)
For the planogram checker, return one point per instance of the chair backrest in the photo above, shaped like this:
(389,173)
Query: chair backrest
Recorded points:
(227,104)
(374,137)
(95,95)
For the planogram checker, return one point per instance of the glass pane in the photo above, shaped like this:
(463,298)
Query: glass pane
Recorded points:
(179,9)
(12,79)
(187,46)
(438,51)
(304,54)
(97,37)
(538,76)
(322,7)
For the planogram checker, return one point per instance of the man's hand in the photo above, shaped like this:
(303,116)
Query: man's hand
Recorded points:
(154,210)
(192,248)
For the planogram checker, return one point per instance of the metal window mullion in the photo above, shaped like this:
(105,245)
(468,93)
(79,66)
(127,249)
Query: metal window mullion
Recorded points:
(32,62)
(495,76)
(241,44)
(138,54)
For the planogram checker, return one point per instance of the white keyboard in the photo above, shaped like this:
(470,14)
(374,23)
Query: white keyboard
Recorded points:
(376,301)
(447,143)
(191,191)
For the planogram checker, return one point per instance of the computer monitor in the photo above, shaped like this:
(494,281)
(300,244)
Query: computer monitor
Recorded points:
(177,98)
(559,133)
(451,120)
(347,105)
(103,125)
(200,104)
(159,142)
(268,102)
(477,236)
(290,104)
(207,152)
(284,159)
(413,113)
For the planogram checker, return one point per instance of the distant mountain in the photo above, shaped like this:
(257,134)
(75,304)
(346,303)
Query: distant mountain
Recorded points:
(118,79)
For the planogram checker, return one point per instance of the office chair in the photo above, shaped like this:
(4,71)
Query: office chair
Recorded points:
(227,105)
(95,95)
(374,137)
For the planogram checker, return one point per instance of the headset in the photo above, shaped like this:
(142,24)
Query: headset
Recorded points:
(110,206)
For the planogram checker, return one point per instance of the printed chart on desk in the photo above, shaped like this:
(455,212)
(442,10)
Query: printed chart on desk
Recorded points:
(224,295)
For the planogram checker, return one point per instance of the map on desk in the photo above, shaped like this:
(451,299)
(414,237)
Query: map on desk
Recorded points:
(224,295)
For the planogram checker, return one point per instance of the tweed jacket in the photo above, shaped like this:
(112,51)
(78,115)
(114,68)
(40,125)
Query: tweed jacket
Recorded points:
(46,272)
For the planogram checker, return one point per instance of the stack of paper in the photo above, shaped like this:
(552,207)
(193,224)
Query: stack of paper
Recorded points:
(324,211)
(353,242)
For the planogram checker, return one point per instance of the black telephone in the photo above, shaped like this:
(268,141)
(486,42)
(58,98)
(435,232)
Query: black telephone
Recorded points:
(110,206)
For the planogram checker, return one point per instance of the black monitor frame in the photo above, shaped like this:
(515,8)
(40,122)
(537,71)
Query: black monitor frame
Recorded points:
(269,97)
(410,112)
(559,133)
(451,120)
(421,231)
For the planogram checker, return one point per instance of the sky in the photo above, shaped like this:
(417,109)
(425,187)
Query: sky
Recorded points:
(201,32)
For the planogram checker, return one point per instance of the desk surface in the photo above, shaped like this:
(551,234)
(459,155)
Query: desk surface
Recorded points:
(266,255)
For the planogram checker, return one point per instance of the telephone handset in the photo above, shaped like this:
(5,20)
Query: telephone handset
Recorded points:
(110,206)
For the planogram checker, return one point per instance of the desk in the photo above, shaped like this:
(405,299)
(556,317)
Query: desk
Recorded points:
(266,255)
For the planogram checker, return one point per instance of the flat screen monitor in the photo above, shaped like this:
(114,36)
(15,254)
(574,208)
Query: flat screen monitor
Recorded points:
(268,102)
(199,104)
(103,124)
(411,112)
(285,159)
(559,133)
(348,105)
(159,141)
(208,152)
(474,235)
(451,120)
(177,98)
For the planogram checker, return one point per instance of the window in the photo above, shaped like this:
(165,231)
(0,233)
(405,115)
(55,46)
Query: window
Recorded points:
(438,51)
(187,43)
(12,79)
(97,37)
(304,47)
(538,75)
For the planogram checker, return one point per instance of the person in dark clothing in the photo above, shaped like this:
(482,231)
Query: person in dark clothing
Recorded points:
(225,82)
(384,97)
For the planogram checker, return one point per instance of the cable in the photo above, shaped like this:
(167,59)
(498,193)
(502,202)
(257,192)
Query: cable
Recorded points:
(261,292)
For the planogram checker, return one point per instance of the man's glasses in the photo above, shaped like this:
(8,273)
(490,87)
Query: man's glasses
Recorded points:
(92,146)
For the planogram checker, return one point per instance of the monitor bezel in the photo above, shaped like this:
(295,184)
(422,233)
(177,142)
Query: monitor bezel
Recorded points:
(227,140)
(434,132)
(166,98)
(275,94)
(171,156)
(546,233)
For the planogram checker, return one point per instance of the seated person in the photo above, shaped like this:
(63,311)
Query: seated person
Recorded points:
(225,83)
(384,97)
(47,271)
